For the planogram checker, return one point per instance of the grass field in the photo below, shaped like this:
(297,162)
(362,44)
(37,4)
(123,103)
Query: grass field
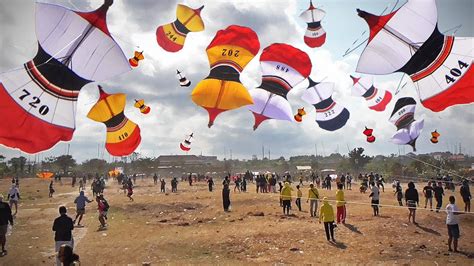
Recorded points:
(190,227)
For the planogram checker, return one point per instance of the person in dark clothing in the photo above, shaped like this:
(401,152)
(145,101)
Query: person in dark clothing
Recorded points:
(190,179)
(399,193)
(280,187)
(163,185)
(343,181)
(428,191)
(328,182)
(210,183)
(438,193)
(155,179)
(226,193)
(244,185)
(411,200)
(67,256)
(51,189)
(174,185)
(63,226)
(5,218)
(466,195)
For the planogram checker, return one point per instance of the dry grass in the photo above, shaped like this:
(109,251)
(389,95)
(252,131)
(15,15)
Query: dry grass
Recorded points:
(190,227)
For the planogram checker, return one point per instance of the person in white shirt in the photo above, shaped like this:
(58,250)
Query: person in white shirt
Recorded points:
(452,222)
(13,197)
(375,195)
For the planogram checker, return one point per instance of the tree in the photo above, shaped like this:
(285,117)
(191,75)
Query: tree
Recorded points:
(18,163)
(357,159)
(94,166)
(64,162)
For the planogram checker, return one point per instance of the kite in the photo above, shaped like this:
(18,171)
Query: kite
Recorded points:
(403,117)
(140,104)
(300,114)
(136,58)
(329,115)
(171,36)
(45,175)
(228,53)
(315,35)
(439,65)
(368,133)
(183,81)
(377,99)
(38,102)
(283,67)
(434,137)
(123,135)
(186,144)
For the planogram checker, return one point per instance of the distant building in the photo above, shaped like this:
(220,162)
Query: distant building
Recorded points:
(180,161)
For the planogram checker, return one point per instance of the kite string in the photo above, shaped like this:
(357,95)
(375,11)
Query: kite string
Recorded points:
(455,174)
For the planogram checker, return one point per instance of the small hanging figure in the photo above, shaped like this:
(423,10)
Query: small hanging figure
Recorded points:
(300,114)
(186,144)
(136,58)
(183,81)
(140,104)
(434,136)
(368,132)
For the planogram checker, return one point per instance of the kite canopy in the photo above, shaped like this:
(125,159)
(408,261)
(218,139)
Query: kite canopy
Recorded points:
(283,67)
(228,53)
(45,175)
(183,81)
(123,135)
(440,66)
(299,115)
(368,133)
(136,58)
(315,36)
(377,99)
(140,104)
(186,144)
(434,136)
(38,102)
(329,115)
(403,117)
(171,37)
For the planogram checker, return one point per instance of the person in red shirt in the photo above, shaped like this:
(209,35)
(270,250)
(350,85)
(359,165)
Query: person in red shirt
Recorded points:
(103,207)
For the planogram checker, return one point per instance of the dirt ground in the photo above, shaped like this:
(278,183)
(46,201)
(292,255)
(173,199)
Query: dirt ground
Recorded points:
(190,227)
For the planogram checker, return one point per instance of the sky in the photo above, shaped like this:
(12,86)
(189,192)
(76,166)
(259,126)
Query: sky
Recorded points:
(133,23)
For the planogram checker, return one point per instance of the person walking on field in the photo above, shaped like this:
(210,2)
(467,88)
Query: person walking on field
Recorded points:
(411,200)
(298,198)
(399,193)
(210,183)
(51,189)
(313,196)
(286,198)
(5,218)
(452,223)
(375,195)
(466,195)
(13,197)
(340,204)
(155,179)
(226,193)
(428,192)
(80,201)
(438,193)
(63,226)
(103,207)
(326,214)
(162,185)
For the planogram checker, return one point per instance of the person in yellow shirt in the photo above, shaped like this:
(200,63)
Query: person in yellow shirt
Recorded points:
(313,196)
(286,198)
(340,204)
(298,198)
(326,214)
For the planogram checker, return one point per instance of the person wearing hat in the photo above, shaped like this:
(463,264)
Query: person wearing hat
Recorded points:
(5,218)
(62,227)
(326,214)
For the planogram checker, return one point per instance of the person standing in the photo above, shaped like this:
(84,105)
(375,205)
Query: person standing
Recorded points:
(13,197)
(63,226)
(81,184)
(399,193)
(162,185)
(130,190)
(51,189)
(286,198)
(155,179)
(428,192)
(313,196)
(452,223)
(210,183)
(411,200)
(226,194)
(103,208)
(80,201)
(326,214)
(328,182)
(340,204)
(438,193)
(174,185)
(375,195)
(349,181)
(466,195)
(5,218)
(298,197)
(342,181)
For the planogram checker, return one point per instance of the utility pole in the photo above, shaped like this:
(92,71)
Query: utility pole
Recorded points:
(263,152)
(268,153)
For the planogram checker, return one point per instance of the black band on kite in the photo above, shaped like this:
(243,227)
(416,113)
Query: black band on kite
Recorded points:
(324,104)
(115,120)
(426,54)
(369,92)
(274,87)
(224,73)
(180,27)
(57,73)
(314,25)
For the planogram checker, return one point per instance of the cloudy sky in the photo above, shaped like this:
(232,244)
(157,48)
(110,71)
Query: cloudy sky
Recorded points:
(133,23)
